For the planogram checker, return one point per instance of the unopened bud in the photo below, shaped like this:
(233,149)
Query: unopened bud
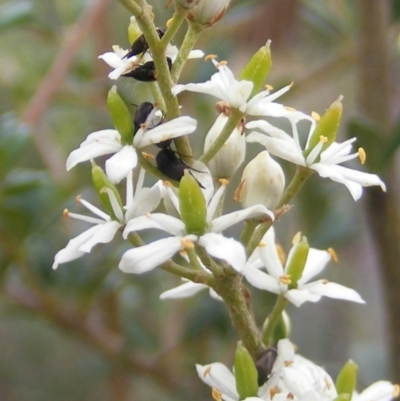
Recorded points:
(208,12)
(257,69)
(192,205)
(133,30)
(120,116)
(231,155)
(347,378)
(246,375)
(101,181)
(262,182)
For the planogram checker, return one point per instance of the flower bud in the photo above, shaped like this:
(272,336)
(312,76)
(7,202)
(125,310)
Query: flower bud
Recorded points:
(192,205)
(120,115)
(257,69)
(133,30)
(347,378)
(297,261)
(262,182)
(231,155)
(208,12)
(245,373)
(101,181)
(327,127)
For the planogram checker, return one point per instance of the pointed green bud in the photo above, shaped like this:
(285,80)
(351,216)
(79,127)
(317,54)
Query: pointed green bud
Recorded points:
(327,127)
(192,205)
(120,115)
(101,181)
(258,68)
(297,261)
(133,30)
(347,379)
(245,373)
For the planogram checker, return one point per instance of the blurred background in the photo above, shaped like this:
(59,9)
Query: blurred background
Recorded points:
(89,332)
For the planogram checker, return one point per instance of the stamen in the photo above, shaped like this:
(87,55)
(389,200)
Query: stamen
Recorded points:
(273,391)
(287,363)
(290,396)
(262,244)
(285,279)
(290,108)
(238,190)
(323,139)
(147,156)
(207,371)
(167,184)
(281,253)
(78,199)
(221,64)
(187,243)
(224,181)
(210,57)
(217,395)
(324,281)
(65,213)
(396,391)
(327,383)
(362,155)
(223,108)
(269,87)
(333,254)
(296,239)
(315,116)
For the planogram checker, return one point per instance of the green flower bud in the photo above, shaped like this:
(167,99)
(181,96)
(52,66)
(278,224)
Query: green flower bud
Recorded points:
(297,262)
(258,68)
(262,182)
(120,115)
(245,373)
(101,181)
(327,127)
(133,30)
(192,205)
(347,379)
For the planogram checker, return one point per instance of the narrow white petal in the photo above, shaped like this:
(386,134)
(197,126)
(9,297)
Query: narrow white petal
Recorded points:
(196,54)
(121,164)
(102,235)
(145,201)
(223,222)
(269,255)
(298,297)
(183,291)
(316,262)
(333,290)
(227,249)
(379,391)
(261,280)
(145,258)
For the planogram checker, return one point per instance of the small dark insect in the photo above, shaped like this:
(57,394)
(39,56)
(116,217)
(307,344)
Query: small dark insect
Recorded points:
(264,364)
(142,112)
(146,72)
(140,44)
(171,165)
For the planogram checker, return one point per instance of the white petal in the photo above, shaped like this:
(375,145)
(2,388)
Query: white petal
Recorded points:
(298,297)
(378,391)
(104,234)
(183,291)
(145,258)
(112,59)
(333,290)
(160,221)
(223,222)
(96,144)
(121,164)
(145,201)
(175,128)
(196,54)
(261,280)
(227,249)
(316,262)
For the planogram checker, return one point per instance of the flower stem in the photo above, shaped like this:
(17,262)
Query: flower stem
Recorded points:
(273,319)
(175,22)
(231,124)
(248,230)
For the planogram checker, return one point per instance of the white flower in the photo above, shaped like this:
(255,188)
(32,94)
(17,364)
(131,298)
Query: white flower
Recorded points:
(122,65)
(145,258)
(326,164)
(143,201)
(275,279)
(379,391)
(125,158)
(224,86)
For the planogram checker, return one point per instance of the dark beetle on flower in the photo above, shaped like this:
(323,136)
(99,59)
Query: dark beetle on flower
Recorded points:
(146,72)
(142,112)
(265,363)
(140,45)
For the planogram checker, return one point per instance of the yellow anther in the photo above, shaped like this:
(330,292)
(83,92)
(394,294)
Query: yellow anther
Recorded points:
(396,391)
(238,191)
(167,184)
(323,139)
(169,22)
(269,87)
(78,199)
(362,155)
(224,181)
(285,279)
(262,244)
(287,363)
(186,243)
(217,395)
(333,254)
(223,108)
(290,108)
(221,63)
(315,116)
(273,391)
(296,239)
(324,281)
(327,383)
(65,213)
(210,57)
(281,254)
(147,156)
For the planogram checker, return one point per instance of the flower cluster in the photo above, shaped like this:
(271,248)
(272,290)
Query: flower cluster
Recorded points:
(186,204)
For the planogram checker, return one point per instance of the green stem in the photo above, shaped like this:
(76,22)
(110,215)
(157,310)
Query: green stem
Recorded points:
(131,6)
(273,319)
(193,258)
(158,99)
(176,21)
(231,124)
(208,262)
(248,230)
(188,43)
